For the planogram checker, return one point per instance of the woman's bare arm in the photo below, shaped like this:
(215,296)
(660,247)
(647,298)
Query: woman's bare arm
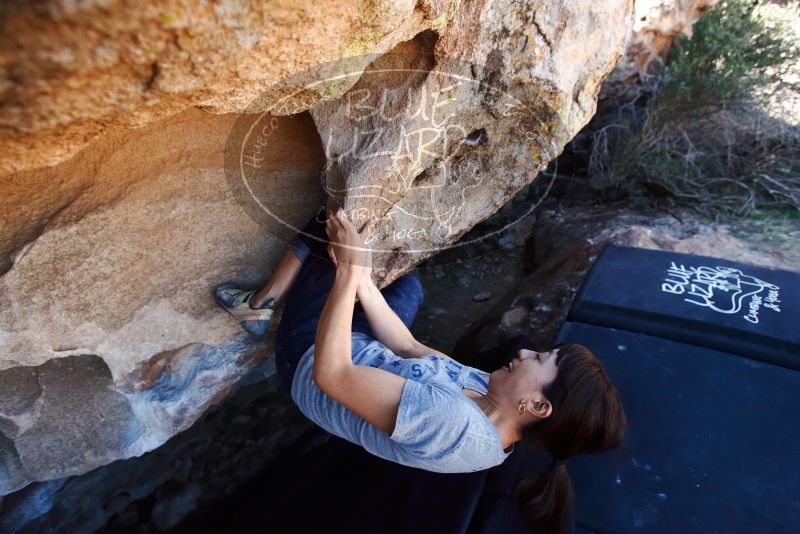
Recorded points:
(373,394)
(388,328)
(333,348)
(418,350)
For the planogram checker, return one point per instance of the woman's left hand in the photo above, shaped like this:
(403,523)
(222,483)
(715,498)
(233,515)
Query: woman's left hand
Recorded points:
(346,244)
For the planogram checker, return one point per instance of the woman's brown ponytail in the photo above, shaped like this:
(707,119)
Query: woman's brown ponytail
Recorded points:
(546,500)
(587,417)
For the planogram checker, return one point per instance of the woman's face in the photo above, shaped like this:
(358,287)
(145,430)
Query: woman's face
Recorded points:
(526,374)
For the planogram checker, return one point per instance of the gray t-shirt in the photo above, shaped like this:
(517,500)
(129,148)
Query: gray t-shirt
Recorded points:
(438,427)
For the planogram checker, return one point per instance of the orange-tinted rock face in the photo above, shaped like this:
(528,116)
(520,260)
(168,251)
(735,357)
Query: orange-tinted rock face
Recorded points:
(130,133)
(71,71)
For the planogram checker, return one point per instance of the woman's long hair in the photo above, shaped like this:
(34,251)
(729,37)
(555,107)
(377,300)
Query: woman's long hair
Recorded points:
(587,417)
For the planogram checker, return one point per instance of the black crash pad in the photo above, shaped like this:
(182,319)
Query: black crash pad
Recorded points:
(714,441)
(714,303)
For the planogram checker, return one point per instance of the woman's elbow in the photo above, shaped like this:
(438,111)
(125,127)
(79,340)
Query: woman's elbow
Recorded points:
(317,377)
(410,349)
(323,377)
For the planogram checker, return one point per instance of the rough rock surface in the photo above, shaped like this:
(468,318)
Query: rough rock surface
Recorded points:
(564,247)
(537,66)
(71,71)
(109,256)
(126,241)
(256,426)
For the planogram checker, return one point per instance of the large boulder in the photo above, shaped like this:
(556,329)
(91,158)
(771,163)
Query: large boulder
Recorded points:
(122,204)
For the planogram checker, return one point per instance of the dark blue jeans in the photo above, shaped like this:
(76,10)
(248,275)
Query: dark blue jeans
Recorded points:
(310,290)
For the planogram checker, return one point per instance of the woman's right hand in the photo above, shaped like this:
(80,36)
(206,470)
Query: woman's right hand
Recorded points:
(346,244)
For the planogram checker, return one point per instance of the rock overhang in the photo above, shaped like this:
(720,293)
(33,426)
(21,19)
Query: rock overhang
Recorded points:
(118,215)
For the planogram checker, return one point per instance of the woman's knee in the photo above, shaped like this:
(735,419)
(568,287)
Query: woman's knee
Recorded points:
(405,296)
(405,285)
(413,282)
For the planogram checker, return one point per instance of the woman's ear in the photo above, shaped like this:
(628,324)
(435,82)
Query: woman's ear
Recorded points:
(540,408)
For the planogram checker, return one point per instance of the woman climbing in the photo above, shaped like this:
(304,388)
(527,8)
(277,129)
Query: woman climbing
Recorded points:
(366,379)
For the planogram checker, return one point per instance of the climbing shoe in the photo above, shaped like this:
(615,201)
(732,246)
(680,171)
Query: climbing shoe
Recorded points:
(255,321)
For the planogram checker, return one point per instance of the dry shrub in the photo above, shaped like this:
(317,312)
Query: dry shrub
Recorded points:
(699,131)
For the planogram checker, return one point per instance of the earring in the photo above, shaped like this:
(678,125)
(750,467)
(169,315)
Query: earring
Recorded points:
(522,408)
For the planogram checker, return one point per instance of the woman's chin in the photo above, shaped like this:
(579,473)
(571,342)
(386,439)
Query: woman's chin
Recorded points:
(498,375)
